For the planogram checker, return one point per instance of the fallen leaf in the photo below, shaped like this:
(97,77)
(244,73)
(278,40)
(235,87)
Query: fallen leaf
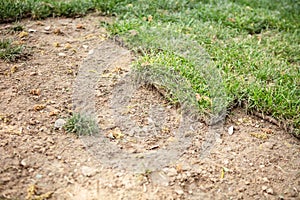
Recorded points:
(89,36)
(267,130)
(56,44)
(57,31)
(32,194)
(115,134)
(38,107)
(70,72)
(222,173)
(35,92)
(198,97)
(179,168)
(165,130)
(68,46)
(149,18)
(23,34)
(259,37)
(13,69)
(80,26)
(172,139)
(54,113)
(231,19)
(261,135)
(31,190)
(117,70)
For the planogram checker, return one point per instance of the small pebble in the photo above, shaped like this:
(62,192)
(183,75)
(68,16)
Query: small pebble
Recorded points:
(179,191)
(23,163)
(170,171)
(59,123)
(230,130)
(61,54)
(265,179)
(31,30)
(264,188)
(39,176)
(270,191)
(47,28)
(33,73)
(88,171)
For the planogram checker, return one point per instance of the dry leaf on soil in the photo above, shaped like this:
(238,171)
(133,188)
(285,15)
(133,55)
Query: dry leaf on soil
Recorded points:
(38,107)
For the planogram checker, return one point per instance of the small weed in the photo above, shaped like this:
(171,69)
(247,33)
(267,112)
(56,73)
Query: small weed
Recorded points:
(8,51)
(81,125)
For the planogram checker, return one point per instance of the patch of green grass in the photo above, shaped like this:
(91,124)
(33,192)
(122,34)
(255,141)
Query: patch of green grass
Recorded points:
(255,45)
(8,51)
(81,125)
(14,10)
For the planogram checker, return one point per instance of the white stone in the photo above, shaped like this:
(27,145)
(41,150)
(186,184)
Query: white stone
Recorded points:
(59,123)
(230,130)
(88,171)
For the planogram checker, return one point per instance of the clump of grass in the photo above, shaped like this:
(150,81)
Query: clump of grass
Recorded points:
(8,51)
(81,125)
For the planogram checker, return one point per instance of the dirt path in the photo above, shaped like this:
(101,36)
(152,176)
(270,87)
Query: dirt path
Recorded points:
(258,161)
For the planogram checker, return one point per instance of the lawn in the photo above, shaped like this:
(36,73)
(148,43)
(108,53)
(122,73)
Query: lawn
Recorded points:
(253,47)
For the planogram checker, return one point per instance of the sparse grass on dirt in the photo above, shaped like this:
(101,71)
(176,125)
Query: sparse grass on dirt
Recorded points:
(80,125)
(255,44)
(9,51)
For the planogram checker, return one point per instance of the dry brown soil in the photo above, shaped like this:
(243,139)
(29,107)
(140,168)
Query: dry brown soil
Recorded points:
(37,161)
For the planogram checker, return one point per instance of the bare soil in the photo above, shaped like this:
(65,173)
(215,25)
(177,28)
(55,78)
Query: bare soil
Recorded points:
(37,161)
